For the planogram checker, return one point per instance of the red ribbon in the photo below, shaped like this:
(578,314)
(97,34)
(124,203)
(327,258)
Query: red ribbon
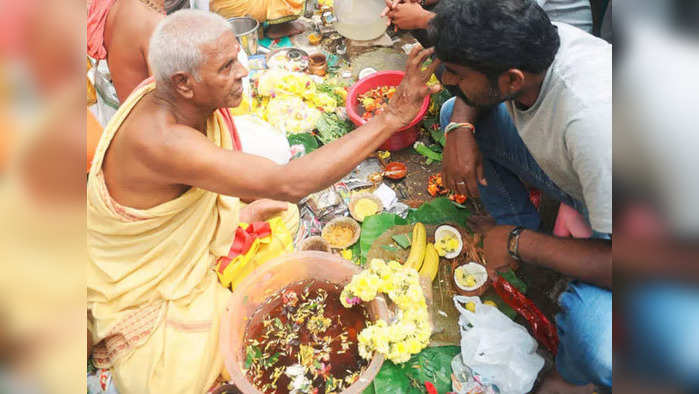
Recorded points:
(228,120)
(243,241)
(544,331)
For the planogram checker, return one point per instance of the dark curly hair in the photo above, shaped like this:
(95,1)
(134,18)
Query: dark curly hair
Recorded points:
(492,36)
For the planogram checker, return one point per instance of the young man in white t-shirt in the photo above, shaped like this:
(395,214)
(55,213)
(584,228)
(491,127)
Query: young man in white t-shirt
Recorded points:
(535,106)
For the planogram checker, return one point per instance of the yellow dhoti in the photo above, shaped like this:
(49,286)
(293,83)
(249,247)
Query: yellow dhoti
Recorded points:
(154,301)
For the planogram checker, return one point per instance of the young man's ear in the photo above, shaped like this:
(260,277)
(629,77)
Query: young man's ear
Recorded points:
(511,81)
(183,84)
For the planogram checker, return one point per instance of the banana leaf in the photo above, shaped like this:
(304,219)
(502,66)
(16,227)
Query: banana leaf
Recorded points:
(439,211)
(373,226)
(432,364)
(305,139)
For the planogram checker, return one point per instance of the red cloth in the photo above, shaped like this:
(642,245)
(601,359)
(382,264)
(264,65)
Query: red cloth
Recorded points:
(243,241)
(96,19)
(228,119)
(544,331)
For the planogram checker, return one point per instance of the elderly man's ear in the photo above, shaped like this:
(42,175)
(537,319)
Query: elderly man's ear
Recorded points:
(183,83)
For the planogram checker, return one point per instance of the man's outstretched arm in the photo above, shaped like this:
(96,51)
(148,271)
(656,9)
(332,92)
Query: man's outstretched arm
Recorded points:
(190,158)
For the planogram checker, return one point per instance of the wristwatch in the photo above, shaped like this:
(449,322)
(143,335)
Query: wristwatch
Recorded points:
(513,243)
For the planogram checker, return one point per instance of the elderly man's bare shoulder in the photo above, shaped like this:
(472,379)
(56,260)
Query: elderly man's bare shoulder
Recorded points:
(152,136)
(149,156)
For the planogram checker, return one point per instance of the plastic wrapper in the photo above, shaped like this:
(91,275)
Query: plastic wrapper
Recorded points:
(399,209)
(309,225)
(360,177)
(326,204)
(297,151)
(101,383)
(464,381)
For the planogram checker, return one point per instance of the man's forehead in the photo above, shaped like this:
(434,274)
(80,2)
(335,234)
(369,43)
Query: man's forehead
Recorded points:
(456,68)
(222,46)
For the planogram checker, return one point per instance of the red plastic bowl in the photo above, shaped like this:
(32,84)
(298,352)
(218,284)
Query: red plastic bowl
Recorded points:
(404,137)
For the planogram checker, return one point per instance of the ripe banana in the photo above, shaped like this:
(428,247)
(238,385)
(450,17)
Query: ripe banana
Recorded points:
(417,251)
(431,264)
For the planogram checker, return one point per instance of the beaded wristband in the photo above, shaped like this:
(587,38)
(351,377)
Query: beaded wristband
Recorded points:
(453,126)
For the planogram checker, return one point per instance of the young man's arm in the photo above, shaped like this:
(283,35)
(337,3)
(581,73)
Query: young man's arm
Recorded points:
(589,260)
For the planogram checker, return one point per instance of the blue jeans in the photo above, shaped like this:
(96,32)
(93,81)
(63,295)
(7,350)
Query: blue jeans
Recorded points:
(585,323)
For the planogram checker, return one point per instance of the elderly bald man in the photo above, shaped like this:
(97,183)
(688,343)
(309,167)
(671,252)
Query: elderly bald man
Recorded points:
(164,202)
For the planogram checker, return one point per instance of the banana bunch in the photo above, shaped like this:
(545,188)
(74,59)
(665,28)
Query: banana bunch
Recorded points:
(423,257)
(430,265)
(417,251)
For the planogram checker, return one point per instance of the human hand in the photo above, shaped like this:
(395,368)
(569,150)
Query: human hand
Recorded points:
(409,95)
(462,168)
(495,246)
(409,16)
(391,5)
(261,210)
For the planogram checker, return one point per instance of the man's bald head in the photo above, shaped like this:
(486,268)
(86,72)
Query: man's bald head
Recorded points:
(176,44)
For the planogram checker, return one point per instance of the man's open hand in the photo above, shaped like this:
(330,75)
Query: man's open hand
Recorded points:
(407,100)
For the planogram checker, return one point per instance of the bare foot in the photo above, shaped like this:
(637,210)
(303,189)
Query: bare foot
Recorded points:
(554,384)
(285,29)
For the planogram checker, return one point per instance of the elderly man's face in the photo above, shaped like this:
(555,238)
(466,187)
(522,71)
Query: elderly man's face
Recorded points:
(221,74)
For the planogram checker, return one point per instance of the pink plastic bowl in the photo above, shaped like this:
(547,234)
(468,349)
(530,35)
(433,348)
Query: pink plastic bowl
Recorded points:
(404,137)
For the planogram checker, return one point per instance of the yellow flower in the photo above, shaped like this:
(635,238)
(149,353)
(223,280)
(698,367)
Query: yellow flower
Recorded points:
(383,154)
(377,266)
(346,254)
(395,266)
(414,346)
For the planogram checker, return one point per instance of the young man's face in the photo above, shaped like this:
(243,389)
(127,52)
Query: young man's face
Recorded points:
(478,90)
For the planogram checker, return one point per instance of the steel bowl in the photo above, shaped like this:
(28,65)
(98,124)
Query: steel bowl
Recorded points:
(247,30)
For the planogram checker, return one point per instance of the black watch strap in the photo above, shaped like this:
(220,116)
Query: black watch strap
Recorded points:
(513,242)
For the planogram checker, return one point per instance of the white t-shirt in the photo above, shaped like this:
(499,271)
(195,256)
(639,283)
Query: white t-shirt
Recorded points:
(577,13)
(568,130)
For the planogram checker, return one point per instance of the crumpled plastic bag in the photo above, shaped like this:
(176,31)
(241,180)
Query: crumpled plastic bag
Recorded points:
(500,351)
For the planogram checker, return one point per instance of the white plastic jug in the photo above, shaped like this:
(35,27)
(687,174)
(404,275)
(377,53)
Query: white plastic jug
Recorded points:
(360,19)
